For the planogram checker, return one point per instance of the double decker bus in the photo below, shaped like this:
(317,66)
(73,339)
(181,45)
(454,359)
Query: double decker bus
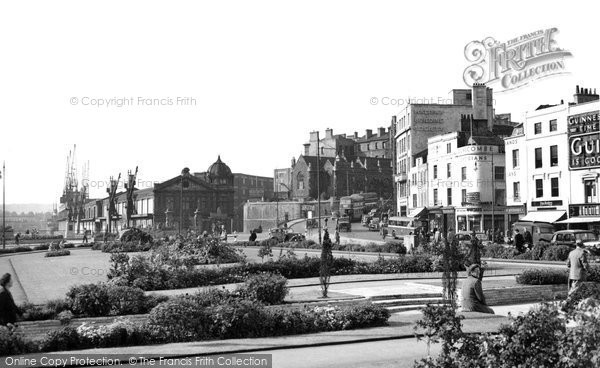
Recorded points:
(355,205)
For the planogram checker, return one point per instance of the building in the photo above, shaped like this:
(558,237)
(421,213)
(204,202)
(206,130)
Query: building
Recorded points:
(282,182)
(369,145)
(198,202)
(553,162)
(340,176)
(418,122)
(249,188)
(466,176)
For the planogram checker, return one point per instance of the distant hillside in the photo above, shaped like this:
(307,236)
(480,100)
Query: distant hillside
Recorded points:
(27,207)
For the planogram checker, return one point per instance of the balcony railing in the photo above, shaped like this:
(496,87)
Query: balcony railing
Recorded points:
(401,177)
(585,209)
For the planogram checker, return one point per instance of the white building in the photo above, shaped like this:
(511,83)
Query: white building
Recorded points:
(418,122)
(552,169)
(467,188)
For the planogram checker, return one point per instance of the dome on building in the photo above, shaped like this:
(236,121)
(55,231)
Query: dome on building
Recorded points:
(219,173)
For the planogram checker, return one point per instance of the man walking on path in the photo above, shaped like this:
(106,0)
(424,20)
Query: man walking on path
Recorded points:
(519,241)
(578,265)
(528,238)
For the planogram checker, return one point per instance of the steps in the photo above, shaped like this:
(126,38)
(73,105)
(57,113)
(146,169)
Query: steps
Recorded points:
(407,302)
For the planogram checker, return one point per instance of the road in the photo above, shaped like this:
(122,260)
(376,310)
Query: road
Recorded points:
(389,353)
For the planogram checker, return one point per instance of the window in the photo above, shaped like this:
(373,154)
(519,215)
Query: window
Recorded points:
(448,147)
(449,193)
(300,181)
(499,172)
(538,158)
(516,191)
(515,154)
(590,191)
(539,188)
(448,170)
(435,197)
(435,171)
(414,200)
(553,155)
(553,125)
(463,195)
(463,173)
(537,128)
(554,187)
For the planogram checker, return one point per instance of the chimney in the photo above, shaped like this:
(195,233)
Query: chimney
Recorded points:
(380,132)
(313,136)
(328,133)
(369,133)
(584,95)
(355,135)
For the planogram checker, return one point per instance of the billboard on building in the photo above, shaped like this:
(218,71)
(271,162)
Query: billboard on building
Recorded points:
(584,140)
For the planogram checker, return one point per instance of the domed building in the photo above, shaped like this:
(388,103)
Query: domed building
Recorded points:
(219,173)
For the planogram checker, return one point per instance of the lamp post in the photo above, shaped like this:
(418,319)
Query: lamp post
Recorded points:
(184,181)
(3,206)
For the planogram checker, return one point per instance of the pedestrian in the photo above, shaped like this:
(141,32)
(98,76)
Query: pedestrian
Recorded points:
(85,239)
(337,237)
(384,233)
(252,236)
(450,236)
(519,241)
(326,219)
(8,309)
(436,235)
(473,299)
(17,238)
(394,233)
(527,238)
(578,265)
(474,255)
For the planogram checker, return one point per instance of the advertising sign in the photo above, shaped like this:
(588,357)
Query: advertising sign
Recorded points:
(584,141)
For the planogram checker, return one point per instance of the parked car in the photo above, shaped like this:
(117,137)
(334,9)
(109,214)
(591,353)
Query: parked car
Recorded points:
(464,238)
(285,235)
(569,237)
(540,231)
(375,224)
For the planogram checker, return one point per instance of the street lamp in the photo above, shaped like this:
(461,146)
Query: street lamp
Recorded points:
(185,183)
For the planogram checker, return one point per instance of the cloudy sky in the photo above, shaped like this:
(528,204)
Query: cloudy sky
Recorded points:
(263,75)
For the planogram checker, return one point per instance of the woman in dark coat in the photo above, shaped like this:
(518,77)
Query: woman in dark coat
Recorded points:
(8,309)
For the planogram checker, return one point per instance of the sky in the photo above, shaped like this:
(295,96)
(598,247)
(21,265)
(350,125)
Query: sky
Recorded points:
(257,77)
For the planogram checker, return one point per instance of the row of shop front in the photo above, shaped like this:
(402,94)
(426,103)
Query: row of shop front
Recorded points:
(485,217)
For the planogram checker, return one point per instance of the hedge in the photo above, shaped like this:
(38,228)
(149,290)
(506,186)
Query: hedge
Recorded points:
(553,276)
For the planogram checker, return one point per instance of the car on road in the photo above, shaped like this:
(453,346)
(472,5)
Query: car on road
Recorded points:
(285,235)
(590,239)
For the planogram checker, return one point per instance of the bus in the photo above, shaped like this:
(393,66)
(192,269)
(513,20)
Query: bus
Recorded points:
(401,226)
(355,205)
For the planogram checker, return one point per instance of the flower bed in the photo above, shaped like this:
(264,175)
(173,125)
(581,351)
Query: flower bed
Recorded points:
(58,253)
(216,314)
(149,273)
(552,276)
(395,247)
(540,251)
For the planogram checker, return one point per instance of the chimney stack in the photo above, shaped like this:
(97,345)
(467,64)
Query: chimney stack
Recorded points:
(380,132)
(369,133)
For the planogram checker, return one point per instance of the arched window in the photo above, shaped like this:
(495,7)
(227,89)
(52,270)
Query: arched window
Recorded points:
(300,180)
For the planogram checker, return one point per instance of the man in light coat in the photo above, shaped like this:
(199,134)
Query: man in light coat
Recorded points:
(578,265)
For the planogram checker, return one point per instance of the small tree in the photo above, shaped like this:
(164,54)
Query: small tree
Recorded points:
(326,263)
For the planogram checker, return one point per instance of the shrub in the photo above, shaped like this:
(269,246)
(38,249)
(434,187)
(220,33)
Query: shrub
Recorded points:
(395,247)
(65,317)
(90,300)
(41,247)
(58,253)
(543,276)
(19,249)
(180,319)
(557,253)
(583,291)
(66,338)
(266,288)
(127,300)
(12,342)
(136,235)
(119,247)
(96,245)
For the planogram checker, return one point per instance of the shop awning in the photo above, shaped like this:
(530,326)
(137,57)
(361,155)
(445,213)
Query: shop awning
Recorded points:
(417,212)
(543,216)
(580,220)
